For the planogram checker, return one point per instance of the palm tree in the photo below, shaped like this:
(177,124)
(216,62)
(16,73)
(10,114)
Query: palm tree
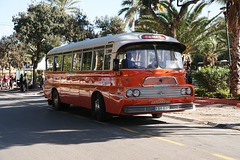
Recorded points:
(65,5)
(233,19)
(132,9)
(233,22)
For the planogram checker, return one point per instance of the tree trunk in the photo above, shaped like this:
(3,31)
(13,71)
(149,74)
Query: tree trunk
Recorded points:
(34,85)
(235,67)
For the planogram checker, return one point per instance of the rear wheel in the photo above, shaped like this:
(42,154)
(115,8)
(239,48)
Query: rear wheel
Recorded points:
(157,115)
(56,102)
(98,107)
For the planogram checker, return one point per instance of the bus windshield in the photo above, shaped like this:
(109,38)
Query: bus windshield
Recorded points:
(150,56)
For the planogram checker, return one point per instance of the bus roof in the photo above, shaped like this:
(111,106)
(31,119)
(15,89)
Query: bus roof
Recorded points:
(118,40)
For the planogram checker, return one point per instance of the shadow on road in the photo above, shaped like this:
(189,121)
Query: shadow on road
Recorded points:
(22,124)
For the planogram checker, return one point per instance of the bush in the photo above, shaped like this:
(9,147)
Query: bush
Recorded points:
(212,79)
(200,92)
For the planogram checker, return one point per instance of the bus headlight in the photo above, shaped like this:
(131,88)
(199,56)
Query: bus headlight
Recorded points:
(129,93)
(183,91)
(189,91)
(136,93)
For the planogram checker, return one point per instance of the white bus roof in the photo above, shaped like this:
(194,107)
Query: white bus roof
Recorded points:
(118,40)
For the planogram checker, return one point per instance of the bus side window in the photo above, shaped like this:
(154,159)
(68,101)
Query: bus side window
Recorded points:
(50,64)
(87,57)
(67,63)
(98,60)
(107,59)
(57,66)
(77,57)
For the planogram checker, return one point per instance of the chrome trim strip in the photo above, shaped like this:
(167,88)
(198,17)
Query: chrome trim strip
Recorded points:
(159,92)
(152,108)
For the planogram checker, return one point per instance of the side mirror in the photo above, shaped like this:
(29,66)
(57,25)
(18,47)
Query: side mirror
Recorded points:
(116,64)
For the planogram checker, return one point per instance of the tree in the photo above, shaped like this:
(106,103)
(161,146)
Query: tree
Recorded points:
(132,9)
(78,28)
(65,5)
(109,25)
(233,20)
(38,29)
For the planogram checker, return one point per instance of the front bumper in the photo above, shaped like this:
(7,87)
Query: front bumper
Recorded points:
(158,108)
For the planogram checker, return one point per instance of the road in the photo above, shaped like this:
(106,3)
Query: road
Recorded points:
(31,130)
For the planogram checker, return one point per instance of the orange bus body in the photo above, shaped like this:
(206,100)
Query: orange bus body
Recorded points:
(159,89)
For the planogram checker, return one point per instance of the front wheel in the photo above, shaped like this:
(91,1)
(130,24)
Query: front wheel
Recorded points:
(57,105)
(157,115)
(98,107)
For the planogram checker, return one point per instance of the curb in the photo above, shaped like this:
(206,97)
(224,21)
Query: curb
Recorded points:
(217,101)
(223,126)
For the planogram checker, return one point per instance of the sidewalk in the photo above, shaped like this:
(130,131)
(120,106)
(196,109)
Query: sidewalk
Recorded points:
(217,115)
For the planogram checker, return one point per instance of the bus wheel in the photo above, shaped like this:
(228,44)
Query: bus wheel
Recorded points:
(56,100)
(157,115)
(98,108)
(57,105)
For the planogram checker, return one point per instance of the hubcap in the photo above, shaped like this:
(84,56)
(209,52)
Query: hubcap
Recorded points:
(97,105)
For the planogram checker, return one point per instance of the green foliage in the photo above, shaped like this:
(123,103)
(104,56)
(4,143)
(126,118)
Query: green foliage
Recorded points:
(222,93)
(212,79)
(36,28)
(77,28)
(109,25)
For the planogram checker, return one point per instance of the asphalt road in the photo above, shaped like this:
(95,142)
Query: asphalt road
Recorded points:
(31,130)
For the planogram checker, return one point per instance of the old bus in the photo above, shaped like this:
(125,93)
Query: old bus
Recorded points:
(124,74)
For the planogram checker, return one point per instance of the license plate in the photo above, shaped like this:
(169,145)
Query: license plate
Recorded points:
(162,108)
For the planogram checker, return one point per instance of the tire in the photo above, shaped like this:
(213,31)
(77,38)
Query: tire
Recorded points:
(56,102)
(50,102)
(98,107)
(157,115)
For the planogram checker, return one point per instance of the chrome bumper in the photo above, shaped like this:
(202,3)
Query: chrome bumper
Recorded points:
(157,108)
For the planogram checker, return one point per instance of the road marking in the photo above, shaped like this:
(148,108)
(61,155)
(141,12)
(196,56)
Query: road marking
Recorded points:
(223,157)
(101,122)
(166,140)
(129,130)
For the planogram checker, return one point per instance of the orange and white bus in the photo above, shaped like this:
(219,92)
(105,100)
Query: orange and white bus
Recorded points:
(124,74)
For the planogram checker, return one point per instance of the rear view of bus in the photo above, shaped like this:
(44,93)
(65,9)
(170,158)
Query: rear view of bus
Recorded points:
(126,74)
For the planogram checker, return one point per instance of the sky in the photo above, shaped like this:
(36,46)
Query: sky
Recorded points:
(92,8)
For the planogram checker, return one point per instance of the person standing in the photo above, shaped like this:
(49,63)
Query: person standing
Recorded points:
(25,82)
(11,82)
(1,82)
(6,81)
(21,82)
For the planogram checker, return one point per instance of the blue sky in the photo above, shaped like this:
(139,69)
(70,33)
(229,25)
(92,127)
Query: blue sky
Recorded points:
(93,8)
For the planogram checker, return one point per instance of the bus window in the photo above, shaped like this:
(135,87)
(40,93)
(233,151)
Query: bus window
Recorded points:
(77,57)
(98,60)
(57,63)
(67,63)
(107,59)
(50,64)
(107,62)
(87,58)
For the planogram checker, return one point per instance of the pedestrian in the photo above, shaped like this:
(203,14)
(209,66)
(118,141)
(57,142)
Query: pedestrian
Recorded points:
(6,81)
(21,82)
(11,82)
(1,82)
(42,80)
(25,82)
